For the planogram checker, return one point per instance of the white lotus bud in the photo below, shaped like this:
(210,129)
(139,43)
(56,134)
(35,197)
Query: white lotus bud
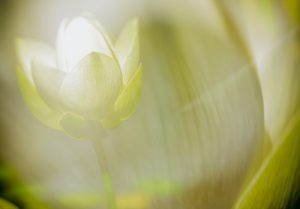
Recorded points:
(86,78)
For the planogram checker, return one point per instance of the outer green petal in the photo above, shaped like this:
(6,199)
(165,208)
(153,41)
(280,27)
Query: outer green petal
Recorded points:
(78,127)
(127,50)
(36,104)
(6,205)
(127,101)
(93,86)
(111,120)
(28,49)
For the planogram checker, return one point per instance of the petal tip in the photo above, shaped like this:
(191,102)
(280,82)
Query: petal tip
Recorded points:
(133,24)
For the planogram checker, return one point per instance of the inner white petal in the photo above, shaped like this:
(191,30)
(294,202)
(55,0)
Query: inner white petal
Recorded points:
(79,39)
(27,50)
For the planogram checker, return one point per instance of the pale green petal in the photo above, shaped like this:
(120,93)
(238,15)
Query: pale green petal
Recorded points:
(274,182)
(92,87)
(27,49)
(36,104)
(48,81)
(126,102)
(127,50)
(74,125)
(111,121)
(128,98)
(77,38)
(6,205)
(78,127)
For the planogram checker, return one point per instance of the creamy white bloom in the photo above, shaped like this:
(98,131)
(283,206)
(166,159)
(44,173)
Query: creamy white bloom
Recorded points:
(86,78)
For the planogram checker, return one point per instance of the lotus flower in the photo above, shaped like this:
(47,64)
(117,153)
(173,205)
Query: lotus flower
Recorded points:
(85,79)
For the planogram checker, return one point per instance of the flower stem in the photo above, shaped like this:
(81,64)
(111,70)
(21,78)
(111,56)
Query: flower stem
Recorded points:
(105,175)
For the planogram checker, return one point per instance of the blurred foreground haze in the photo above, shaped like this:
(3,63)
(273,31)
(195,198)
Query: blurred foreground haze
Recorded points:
(217,126)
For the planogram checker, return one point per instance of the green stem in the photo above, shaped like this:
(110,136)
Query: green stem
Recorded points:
(105,175)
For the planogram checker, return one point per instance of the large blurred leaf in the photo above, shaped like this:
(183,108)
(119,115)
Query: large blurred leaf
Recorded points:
(293,11)
(272,43)
(20,193)
(6,205)
(199,121)
(273,183)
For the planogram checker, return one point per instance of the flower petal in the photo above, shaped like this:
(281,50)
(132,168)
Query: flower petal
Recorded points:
(126,102)
(93,86)
(28,49)
(48,81)
(127,50)
(77,38)
(36,104)
(77,127)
